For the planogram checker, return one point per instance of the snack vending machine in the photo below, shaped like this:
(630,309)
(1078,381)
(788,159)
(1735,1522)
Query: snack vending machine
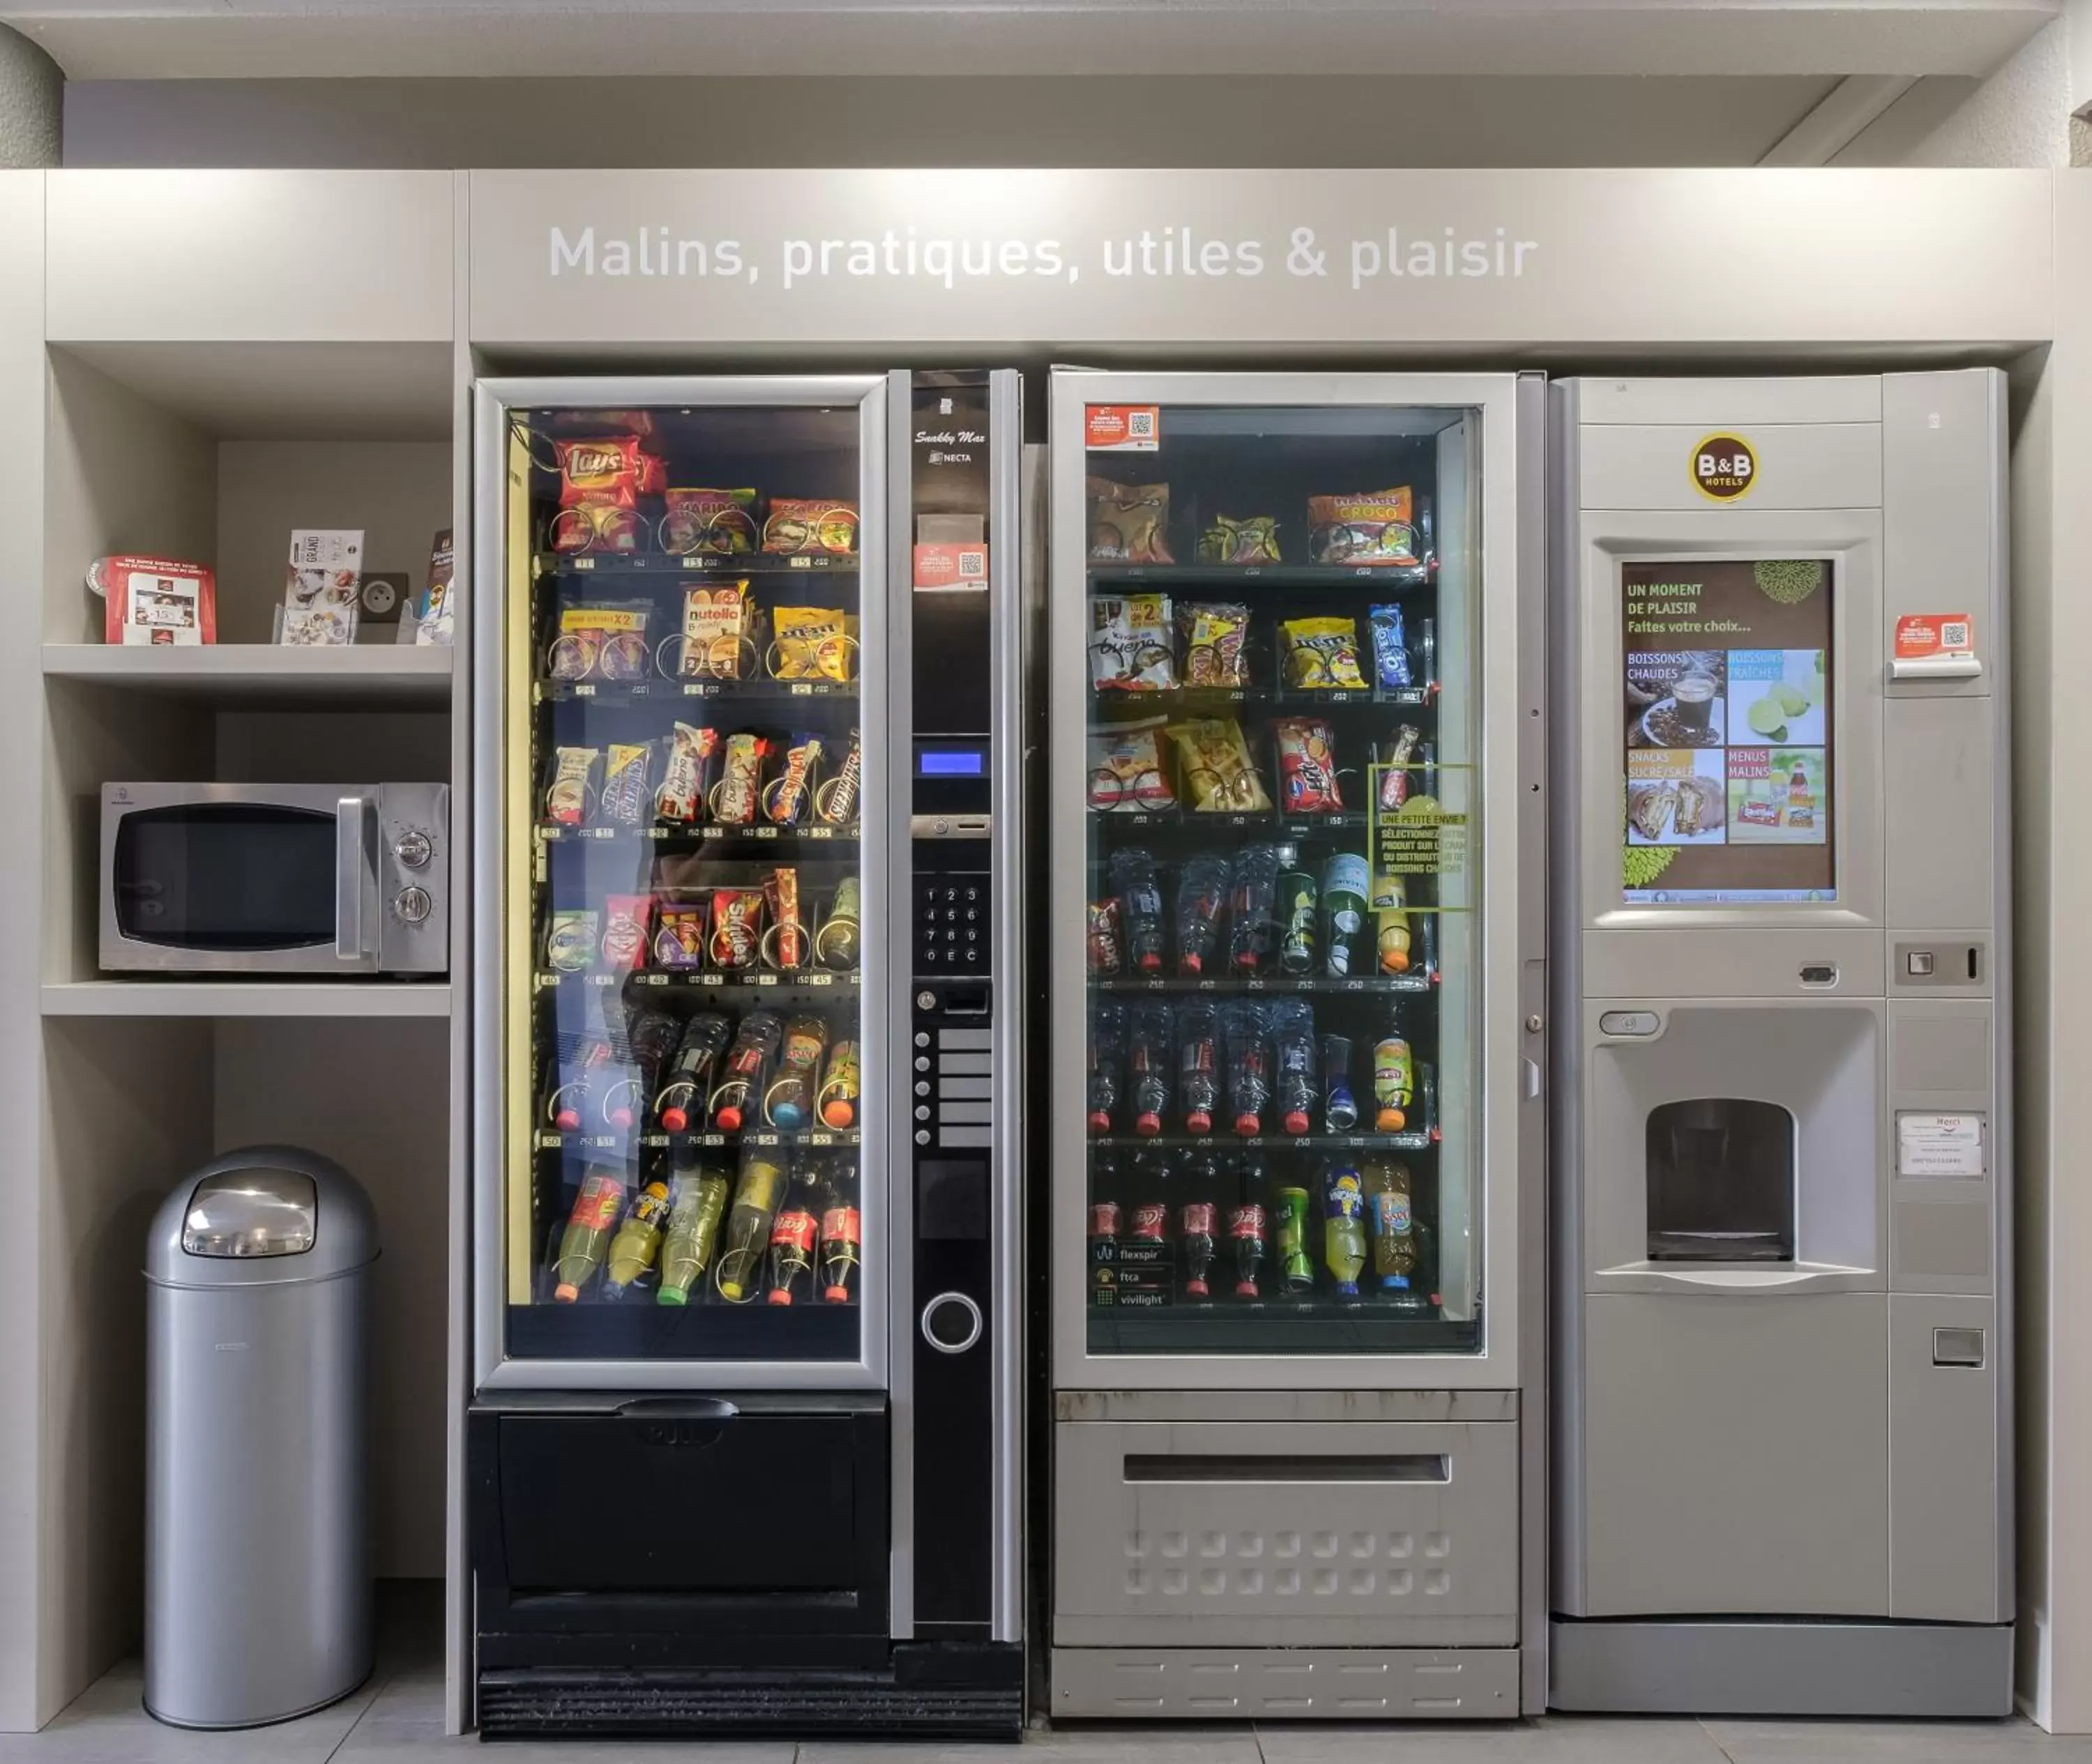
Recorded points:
(1295,956)
(745,1452)
(1783,1160)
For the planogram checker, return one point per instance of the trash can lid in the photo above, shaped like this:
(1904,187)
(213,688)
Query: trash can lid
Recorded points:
(261,1216)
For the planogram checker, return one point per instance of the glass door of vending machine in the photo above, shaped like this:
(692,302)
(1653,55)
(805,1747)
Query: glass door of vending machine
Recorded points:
(675,972)
(1295,634)
(1285,618)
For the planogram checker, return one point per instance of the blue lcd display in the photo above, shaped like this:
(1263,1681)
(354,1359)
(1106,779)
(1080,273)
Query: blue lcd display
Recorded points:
(949,763)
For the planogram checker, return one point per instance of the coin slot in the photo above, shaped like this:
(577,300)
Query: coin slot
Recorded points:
(1819,974)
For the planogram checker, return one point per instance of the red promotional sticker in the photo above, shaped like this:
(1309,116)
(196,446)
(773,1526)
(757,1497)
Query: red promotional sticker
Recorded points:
(1934,633)
(1123,428)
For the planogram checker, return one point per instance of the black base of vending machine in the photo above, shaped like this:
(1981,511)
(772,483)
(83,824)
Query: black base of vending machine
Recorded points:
(705,1566)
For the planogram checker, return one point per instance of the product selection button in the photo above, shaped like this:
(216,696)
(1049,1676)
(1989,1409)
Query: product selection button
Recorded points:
(1628,1022)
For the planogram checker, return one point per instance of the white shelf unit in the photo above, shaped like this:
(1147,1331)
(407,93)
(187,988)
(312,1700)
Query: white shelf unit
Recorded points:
(213,447)
(246,998)
(259,675)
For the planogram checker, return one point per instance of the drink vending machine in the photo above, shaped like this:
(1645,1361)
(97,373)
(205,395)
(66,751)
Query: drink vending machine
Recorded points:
(1782,1158)
(1295,841)
(745,1452)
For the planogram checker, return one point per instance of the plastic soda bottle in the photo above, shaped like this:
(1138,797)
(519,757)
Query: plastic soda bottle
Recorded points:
(1394,1075)
(1106,1061)
(1198,1063)
(1296,919)
(1391,1213)
(1151,1041)
(794,1234)
(841,1086)
(1252,906)
(842,1236)
(755,1198)
(1246,1025)
(586,1240)
(683,1086)
(788,1103)
(1344,1226)
(633,1250)
(1296,1271)
(1344,885)
(1390,905)
(696,1203)
(646,1050)
(1140,906)
(1247,1231)
(1293,1056)
(1202,893)
(742,1079)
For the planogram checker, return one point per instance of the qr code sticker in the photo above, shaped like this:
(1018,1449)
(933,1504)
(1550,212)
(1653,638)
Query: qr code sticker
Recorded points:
(1954,634)
(1140,426)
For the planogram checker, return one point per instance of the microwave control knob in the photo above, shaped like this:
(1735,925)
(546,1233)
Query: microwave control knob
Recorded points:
(413,850)
(413,905)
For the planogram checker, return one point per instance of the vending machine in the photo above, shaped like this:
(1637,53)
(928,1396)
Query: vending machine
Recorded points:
(744,1453)
(1782,1162)
(1295,839)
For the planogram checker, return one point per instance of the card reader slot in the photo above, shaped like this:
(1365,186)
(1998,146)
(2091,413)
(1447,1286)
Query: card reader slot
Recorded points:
(1390,1466)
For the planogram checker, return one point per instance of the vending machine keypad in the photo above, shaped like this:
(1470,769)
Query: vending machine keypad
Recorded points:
(952,923)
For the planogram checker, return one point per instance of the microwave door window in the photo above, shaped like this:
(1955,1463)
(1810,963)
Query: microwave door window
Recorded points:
(225,876)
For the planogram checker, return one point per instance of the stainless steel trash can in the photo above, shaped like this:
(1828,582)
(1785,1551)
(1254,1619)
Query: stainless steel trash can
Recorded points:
(257,1559)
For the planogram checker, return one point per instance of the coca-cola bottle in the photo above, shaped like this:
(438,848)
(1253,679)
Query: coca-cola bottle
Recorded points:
(1197,1198)
(738,1095)
(1150,1046)
(842,1235)
(1245,1023)
(1107,1216)
(1293,1060)
(1106,1061)
(1198,1063)
(1202,895)
(1139,891)
(647,1045)
(1147,1232)
(793,1235)
(1249,1231)
(684,1085)
(1252,908)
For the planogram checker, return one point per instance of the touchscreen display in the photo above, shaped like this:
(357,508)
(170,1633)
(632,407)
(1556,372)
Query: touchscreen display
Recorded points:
(1728,758)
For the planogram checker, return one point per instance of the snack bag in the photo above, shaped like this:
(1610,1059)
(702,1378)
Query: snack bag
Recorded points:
(1252,540)
(600,642)
(1129,643)
(603,469)
(810,643)
(787,796)
(1390,652)
(625,932)
(736,935)
(687,776)
(800,525)
(1125,769)
(1129,523)
(1307,766)
(1373,526)
(1216,768)
(624,801)
(570,940)
(740,788)
(572,784)
(679,938)
(708,523)
(1321,655)
(1395,762)
(1213,634)
(719,631)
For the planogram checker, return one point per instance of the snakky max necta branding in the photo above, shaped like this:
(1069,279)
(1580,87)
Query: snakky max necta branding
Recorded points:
(1159,253)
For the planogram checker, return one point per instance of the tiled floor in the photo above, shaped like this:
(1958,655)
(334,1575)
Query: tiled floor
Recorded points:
(399,1716)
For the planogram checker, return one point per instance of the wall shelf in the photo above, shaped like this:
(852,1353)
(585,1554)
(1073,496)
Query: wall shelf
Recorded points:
(246,998)
(252,676)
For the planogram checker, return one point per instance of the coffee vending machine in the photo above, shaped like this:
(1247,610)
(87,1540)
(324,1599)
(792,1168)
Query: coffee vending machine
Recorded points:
(745,1452)
(1782,1148)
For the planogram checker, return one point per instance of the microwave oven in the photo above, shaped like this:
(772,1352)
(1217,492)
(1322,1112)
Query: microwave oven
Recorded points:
(308,878)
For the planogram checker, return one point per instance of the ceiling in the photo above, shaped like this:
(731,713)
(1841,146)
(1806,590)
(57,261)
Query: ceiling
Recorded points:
(1399,39)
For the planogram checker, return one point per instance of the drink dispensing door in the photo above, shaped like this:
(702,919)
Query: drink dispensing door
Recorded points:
(1781,1408)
